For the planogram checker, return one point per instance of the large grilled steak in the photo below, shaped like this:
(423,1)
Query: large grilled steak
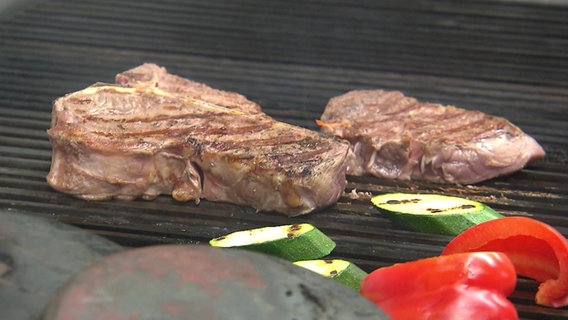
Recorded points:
(397,137)
(155,133)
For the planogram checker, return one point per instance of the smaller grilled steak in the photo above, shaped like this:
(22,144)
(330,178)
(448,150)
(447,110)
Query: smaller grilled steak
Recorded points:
(397,137)
(155,133)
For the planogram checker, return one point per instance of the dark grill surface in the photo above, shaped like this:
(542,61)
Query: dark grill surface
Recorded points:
(508,58)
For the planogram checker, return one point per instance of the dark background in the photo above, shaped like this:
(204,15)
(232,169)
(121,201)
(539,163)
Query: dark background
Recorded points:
(507,58)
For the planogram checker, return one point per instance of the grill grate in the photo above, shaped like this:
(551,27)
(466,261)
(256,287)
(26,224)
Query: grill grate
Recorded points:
(506,58)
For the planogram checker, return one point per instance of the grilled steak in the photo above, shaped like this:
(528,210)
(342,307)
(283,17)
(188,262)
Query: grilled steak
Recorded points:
(155,133)
(398,137)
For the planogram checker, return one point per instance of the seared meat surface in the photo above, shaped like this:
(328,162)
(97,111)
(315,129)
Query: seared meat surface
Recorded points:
(155,133)
(397,137)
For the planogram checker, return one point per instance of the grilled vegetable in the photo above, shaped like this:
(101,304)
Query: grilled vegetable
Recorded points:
(458,286)
(537,250)
(340,270)
(433,213)
(291,242)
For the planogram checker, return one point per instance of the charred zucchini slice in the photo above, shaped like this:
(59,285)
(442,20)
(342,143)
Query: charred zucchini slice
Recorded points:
(291,242)
(339,270)
(433,213)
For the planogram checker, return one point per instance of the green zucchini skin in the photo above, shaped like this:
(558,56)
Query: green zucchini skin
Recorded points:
(441,219)
(291,242)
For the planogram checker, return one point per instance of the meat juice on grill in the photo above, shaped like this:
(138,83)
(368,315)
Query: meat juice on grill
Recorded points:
(397,137)
(155,133)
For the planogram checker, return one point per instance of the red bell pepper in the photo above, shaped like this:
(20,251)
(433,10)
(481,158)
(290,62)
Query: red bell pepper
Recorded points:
(537,250)
(459,286)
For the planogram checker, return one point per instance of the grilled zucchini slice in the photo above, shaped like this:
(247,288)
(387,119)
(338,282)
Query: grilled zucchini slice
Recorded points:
(433,213)
(339,270)
(291,242)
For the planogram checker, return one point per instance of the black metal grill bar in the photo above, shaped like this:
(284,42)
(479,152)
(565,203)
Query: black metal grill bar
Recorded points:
(130,26)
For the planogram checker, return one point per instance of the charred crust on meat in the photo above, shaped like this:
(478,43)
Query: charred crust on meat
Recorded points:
(306,172)
(196,145)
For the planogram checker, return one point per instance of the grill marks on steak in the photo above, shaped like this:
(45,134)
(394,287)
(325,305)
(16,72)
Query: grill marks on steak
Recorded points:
(397,137)
(154,133)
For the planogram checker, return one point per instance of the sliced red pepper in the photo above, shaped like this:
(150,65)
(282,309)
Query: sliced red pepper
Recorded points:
(464,286)
(537,250)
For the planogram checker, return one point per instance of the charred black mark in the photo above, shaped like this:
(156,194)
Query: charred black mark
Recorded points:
(292,230)
(306,172)
(198,149)
(440,210)
(404,201)
(294,227)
